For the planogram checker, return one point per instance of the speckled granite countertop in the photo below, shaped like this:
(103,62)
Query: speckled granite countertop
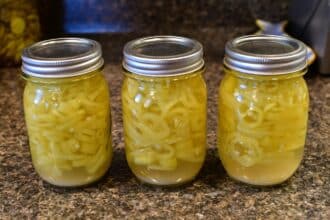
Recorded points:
(212,195)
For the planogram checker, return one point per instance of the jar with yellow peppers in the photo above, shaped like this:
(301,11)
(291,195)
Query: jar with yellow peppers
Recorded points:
(263,108)
(164,109)
(67,110)
(19,27)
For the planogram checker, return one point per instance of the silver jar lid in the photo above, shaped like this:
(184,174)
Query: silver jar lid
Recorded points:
(265,55)
(62,57)
(163,56)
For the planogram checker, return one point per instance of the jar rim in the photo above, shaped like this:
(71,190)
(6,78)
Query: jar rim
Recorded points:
(265,55)
(163,56)
(62,58)
(244,75)
(170,77)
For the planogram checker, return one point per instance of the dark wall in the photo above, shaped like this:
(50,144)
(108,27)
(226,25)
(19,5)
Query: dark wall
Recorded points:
(212,22)
(115,16)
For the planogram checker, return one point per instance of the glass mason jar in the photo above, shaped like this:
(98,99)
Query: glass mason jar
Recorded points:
(67,110)
(263,108)
(164,109)
(19,27)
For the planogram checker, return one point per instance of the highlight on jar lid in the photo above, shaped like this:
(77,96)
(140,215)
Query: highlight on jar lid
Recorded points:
(265,55)
(163,56)
(61,58)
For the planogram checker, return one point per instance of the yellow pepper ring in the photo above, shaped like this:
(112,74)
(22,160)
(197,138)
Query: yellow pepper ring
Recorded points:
(244,150)
(17,25)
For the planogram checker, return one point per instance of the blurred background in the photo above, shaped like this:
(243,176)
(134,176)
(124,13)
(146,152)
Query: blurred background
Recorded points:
(212,22)
(114,22)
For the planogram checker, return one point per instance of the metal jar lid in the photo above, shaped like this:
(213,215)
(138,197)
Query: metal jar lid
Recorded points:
(163,56)
(62,57)
(265,55)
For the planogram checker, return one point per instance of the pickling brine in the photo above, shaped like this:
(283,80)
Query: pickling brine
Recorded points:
(165,127)
(67,111)
(262,126)
(68,123)
(263,109)
(164,109)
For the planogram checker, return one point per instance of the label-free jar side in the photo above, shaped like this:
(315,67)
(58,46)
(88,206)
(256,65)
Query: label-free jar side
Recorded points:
(69,126)
(165,128)
(164,109)
(262,127)
(263,116)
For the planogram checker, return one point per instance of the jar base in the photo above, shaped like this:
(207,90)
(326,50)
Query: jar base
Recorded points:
(150,182)
(258,178)
(271,170)
(178,177)
(258,184)
(73,179)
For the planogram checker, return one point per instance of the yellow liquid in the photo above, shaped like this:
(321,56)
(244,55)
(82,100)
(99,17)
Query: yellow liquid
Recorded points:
(185,172)
(68,122)
(262,127)
(165,127)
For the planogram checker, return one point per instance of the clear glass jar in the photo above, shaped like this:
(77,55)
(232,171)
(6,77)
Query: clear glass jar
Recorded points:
(164,109)
(19,27)
(263,109)
(67,111)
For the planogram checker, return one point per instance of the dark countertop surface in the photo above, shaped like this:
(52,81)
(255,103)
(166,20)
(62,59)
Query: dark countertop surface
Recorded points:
(119,195)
